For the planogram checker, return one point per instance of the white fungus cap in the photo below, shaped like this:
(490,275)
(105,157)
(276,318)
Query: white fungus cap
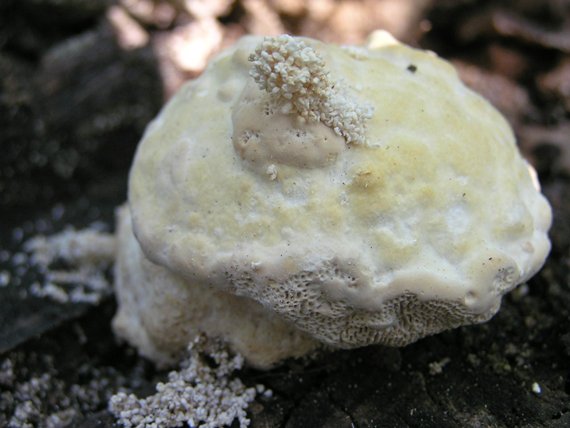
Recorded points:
(361,194)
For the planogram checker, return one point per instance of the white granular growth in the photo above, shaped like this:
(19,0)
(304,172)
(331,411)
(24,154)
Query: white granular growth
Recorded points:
(30,397)
(88,246)
(198,395)
(7,373)
(87,252)
(436,367)
(54,292)
(4,278)
(43,400)
(295,77)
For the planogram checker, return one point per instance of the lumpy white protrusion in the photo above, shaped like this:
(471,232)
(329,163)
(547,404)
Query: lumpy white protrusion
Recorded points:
(293,73)
(265,137)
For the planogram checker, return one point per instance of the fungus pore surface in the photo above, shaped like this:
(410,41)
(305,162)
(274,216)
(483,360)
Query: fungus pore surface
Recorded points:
(299,194)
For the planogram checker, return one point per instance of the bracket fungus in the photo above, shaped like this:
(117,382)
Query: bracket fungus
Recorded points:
(299,194)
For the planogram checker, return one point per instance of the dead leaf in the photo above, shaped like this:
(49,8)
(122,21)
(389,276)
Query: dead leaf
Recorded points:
(537,141)
(556,83)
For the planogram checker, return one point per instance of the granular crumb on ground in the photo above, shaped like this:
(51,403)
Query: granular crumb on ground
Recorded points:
(201,394)
(41,398)
(436,367)
(83,256)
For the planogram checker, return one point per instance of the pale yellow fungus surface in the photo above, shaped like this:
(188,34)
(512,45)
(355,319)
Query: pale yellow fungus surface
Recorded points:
(418,224)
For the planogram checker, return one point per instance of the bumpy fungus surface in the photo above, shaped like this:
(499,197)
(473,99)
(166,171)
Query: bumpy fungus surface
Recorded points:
(299,193)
